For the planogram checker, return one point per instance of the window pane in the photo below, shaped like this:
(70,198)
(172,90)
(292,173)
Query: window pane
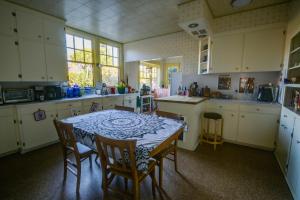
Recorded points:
(87,45)
(88,57)
(69,40)
(102,48)
(80,74)
(78,43)
(79,56)
(70,54)
(116,62)
(110,75)
(103,59)
(109,50)
(109,60)
(116,52)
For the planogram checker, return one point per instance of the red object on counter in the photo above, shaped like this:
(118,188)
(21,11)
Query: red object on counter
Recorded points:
(113,90)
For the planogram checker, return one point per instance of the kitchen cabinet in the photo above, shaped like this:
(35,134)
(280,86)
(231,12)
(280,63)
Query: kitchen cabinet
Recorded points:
(54,31)
(227,53)
(9,56)
(110,102)
(257,129)
(263,50)
(36,134)
(87,104)
(69,109)
(56,62)
(32,60)
(293,174)
(130,100)
(7,20)
(8,135)
(284,137)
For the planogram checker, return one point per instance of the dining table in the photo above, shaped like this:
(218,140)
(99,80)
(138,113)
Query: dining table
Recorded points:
(152,133)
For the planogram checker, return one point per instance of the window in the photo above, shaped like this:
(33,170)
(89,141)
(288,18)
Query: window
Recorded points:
(110,63)
(80,60)
(148,76)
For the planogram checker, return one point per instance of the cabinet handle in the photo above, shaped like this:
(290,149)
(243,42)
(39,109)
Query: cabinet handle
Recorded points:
(20,75)
(15,30)
(16,43)
(247,67)
(43,77)
(13,14)
(232,115)
(15,121)
(18,143)
(242,116)
(51,77)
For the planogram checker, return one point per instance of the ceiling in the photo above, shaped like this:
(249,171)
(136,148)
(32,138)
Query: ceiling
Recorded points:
(120,20)
(128,20)
(223,7)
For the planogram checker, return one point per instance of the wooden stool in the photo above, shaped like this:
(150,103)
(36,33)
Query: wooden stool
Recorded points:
(214,137)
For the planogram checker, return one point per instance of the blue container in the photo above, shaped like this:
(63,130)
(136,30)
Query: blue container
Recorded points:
(76,91)
(70,92)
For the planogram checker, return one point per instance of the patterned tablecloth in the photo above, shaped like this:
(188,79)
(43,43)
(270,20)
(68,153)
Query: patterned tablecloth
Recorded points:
(148,130)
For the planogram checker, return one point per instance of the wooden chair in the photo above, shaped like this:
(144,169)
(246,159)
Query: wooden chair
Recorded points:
(170,150)
(70,146)
(130,109)
(113,162)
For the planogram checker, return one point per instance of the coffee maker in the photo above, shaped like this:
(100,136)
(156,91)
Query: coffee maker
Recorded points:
(39,93)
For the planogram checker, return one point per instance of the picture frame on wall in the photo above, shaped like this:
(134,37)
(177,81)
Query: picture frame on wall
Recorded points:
(39,115)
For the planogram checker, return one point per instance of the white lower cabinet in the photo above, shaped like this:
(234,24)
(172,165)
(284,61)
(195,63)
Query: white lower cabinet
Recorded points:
(257,129)
(230,125)
(110,102)
(284,138)
(34,133)
(293,174)
(70,109)
(8,135)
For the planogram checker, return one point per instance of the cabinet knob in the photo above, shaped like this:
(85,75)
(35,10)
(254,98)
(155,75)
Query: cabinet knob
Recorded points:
(39,36)
(257,109)
(20,75)
(15,30)
(43,77)
(247,67)
(232,115)
(51,77)
(237,68)
(242,116)
(16,43)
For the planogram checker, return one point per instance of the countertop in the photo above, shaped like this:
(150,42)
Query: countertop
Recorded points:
(181,99)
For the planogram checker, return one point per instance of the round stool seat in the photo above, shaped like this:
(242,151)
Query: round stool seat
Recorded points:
(212,115)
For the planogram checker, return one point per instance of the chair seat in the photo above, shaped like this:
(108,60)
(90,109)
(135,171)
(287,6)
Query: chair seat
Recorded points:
(83,149)
(211,115)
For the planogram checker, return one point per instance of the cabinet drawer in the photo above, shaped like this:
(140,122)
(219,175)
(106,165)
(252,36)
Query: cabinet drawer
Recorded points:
(91,101)
(62,106)
(29,109)
(267,109)
(222,105)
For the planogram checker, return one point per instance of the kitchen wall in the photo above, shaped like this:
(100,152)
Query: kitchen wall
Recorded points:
(181,44)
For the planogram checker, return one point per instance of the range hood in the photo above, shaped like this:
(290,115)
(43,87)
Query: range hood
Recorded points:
(195,18)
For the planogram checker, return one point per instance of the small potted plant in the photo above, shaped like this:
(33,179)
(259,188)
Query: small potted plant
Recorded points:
(121,87)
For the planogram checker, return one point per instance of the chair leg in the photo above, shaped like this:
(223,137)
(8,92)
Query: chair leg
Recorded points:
(126,184)
(90,159)
(104,183)
(78,177)
(136,189)
(65,167)
(161,168)
(152,174)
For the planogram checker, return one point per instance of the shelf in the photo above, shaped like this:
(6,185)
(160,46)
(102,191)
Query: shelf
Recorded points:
(295,50)
(203,63)
(295,67)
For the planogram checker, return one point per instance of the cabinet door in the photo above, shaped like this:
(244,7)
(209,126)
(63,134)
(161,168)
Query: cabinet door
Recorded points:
(227,53)
(284,138)
(54,32)
(264,50)
(230,125)
(10,66)
(293,174)
(257,129)
(8,137)
(110,102)
(32,60)
(37,133)
(7,20)
(56,62)
(30,25)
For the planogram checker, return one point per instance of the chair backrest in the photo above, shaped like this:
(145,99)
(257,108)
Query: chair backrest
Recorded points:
(118,155)
(130,109)
(66,136)
(168,115)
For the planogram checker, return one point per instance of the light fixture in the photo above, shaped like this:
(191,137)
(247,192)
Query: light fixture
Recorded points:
(240,3)
(193,25)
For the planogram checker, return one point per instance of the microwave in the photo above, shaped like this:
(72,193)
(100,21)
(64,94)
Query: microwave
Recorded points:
(17,95)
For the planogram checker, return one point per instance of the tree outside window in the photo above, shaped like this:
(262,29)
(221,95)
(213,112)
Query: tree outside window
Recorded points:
(110,64)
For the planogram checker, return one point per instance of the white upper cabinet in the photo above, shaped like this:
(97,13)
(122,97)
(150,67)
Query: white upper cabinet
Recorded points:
(7,20)
(10,66)
(30,25)
(263,50)
(54,32)
(56,62)
(227,53)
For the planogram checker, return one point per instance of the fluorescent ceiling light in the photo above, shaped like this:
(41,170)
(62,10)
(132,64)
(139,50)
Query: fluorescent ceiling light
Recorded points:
(240,3)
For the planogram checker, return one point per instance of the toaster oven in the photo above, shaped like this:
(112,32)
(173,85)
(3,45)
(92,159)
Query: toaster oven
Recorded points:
(17,95)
